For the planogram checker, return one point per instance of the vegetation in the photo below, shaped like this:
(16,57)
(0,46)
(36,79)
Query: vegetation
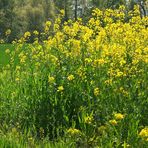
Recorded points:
(30,15)
(84,85)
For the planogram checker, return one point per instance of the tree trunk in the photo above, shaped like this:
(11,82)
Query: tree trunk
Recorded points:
(76,9)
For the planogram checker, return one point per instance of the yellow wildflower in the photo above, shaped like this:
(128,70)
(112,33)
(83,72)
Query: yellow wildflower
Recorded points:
(48,24)
(144,133)
(88,60)
(113,122)
(60,88)
(27,34)
(62,12)
(23,59)
(51,79)
(70,77)
(96,91)
(73,132)
(118,116)
(18,68)
(119,74)
(35,32)
(88,119)
(125,144)
(56,27)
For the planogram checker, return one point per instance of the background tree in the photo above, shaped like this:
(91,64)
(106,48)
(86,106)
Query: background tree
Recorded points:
(24,15)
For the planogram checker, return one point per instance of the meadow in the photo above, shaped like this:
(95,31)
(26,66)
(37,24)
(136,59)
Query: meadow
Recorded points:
(83,86)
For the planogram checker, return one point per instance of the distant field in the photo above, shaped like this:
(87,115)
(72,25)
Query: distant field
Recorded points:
(4,58)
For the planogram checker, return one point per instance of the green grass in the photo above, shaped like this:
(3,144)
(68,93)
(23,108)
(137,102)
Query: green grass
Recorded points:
(4,58)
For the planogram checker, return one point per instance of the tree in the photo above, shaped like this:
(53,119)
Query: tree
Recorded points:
(6,14)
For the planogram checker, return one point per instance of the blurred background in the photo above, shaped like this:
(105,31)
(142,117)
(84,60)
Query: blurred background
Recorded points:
(29,15)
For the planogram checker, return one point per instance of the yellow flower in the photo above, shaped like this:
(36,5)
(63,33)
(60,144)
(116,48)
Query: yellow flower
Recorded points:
(23,59)
(62,12)
(48,23)
(88,60)
(70,77)
(60,88)
(125,145)
(144,133)
(118,116)
(96,91)
(47,26)
(18,68)
(99,62)
(88,119)
(108,82)
(73,132)
(8,32)
(27,34)
(56,27)
(51,79)
(113,122)
(35,32)
(119,74)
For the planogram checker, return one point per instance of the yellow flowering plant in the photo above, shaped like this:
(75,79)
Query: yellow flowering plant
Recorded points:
(79,72)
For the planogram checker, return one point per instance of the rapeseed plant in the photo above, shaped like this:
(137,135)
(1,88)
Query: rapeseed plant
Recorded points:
(70,77)
(51,79)
(96,91)
(118,116)
(27,34)
(60,89)
(98,67)
(144,133)
(74,132)
(113,122)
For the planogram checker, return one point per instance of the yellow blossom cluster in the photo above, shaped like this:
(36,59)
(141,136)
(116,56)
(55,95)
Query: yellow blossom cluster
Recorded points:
(70,77)
(88,119)
(74,132)
(117,117)
(144,133)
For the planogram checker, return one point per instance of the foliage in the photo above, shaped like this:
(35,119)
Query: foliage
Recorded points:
(30,15)
(84,86)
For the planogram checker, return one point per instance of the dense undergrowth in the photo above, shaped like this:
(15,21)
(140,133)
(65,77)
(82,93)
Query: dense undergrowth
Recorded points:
(84,86)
